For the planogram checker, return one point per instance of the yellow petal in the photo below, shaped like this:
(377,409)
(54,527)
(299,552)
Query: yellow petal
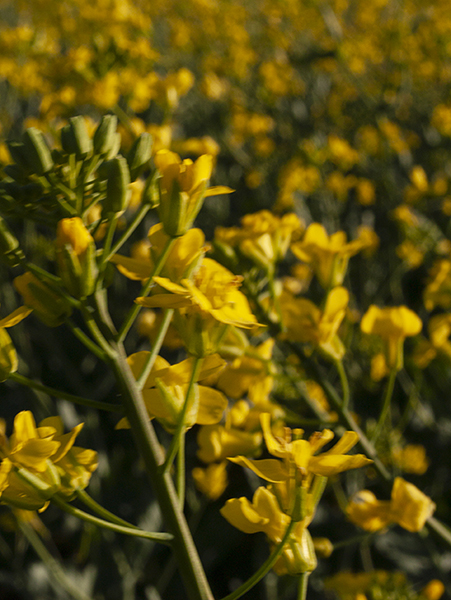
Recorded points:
(268,468)
(218,190)
(240,513)
(211,406)
(331,464)
(15,317)
(133,268)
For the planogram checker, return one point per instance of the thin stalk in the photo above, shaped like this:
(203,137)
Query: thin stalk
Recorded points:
(96,333)
(302,586)
(134,311)
(35,385)
(112,223)
(344,382)
(141,213)
(101,511)
(264,569)
(181,470)
(147,442)
(358,539)
(385,406)
(54,568)
(441,530)
(84,339)
(178,434)
(150,360)
(164,538)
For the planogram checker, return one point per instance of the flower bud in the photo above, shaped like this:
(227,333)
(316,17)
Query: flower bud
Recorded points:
(38,154)
(75,138)
(75,252)
(105,135)
(10,252)
(48,306)
(8,356)
(139,155)
(151,194)
(117,191)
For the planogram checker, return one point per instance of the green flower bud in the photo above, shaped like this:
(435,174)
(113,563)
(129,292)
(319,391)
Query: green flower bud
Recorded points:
(139,155)
(151,191)
(10,252)
(51,308)
(117,191)
(75,138)
(105,135)
(38,154)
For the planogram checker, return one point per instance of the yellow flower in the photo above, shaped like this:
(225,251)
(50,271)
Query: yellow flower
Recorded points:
(438,289)
(75,253)
(408,507)
(306,323)
(328,255)
(207,303)
(299,455)
(264,514)
(165,389)
(211,481)
(434,590)
(183,257)
(8,356)
(49,307)
(183,187)
(393,325)
(217,442)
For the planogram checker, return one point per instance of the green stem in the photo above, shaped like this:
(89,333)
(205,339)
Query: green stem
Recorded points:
(106,252)
(164,538)
(101,511)
(344,382)
(302,587)
(150,360)
(264,569)
(54,568)
(441,530)
(96,333)
(178,434)
(142,212)
(84,339)
(147,442)
(181,482)
(35,385)
(354,540)
(134,311)
(385,406)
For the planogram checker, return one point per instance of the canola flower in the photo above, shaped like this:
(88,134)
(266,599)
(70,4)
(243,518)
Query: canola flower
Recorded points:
(39,462)
(408,507)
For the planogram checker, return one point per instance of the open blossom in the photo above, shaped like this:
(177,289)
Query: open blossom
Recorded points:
(206,304)
(328,255)
(38,462)
(393,325)
(165,389)
(304,322)
(408,507)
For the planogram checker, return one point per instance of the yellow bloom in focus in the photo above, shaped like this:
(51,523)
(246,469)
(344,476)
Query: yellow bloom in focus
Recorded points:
(165,389)
(408,507)
(393,325)
(265,515)
(299,456)
(328,255)
(183,187)
(206,304)
(305,323)
(183,257)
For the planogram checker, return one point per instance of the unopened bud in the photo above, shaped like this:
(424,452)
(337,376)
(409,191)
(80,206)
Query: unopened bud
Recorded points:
(151,192)
(75,138)
(51,308)
(117,191)
(38,154)
(139,155)
(105,135)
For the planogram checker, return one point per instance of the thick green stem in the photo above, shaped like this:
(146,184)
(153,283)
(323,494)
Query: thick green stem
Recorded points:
(184,549)
(64,395)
